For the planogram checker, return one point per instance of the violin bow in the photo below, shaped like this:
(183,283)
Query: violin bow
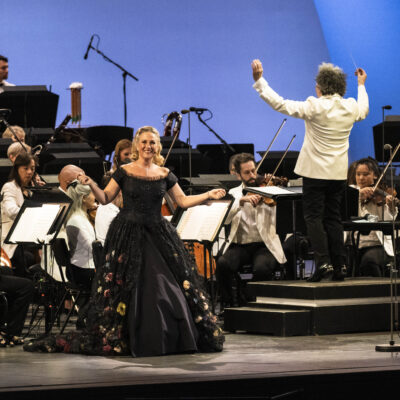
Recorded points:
(387,166)
(272,141)
(282,158)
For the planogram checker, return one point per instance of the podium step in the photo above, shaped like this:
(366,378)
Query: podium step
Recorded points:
(273,321)
(289,308)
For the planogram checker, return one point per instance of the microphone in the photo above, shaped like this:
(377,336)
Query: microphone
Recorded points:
(388,146)
(194,109)
(387,107)
(88,48)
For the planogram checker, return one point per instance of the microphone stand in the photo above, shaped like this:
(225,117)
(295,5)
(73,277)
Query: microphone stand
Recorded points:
(394,311)
(125,73)
(226,145)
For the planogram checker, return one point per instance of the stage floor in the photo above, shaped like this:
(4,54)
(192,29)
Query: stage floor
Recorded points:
(245,357)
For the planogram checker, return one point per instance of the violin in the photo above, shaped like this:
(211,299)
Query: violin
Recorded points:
(91,212)
(380,194)
(270,180)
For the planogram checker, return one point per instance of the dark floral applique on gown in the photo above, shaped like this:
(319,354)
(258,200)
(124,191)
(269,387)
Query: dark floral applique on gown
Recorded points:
(147,298)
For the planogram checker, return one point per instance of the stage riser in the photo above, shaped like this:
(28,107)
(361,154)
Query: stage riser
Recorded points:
(303,308)
(322,290)
(272,322)
(318,321)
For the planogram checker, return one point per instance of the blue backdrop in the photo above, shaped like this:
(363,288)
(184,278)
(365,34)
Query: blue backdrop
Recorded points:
(190,53)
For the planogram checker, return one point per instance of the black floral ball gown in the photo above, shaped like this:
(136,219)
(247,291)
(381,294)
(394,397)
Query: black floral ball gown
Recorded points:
(147,298)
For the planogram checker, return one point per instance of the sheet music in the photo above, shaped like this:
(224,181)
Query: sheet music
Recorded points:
(274,190)
(202,222)
(34,223)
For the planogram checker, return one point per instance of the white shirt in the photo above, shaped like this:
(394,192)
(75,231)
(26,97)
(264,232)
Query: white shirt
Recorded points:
(247,231)
(265,224)
(80,233)
(4,83)
(104,216)
(328,122)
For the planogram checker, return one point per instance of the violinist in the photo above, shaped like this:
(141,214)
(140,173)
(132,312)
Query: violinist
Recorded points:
(252,239)
(323,159)
(14,192)
(376,250)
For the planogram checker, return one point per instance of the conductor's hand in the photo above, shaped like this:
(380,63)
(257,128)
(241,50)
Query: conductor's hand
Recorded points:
(257,67)
(361,76)
(216,194)
(84,179)
(253,199)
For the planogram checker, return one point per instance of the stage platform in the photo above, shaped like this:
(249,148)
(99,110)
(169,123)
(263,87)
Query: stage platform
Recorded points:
(250,367)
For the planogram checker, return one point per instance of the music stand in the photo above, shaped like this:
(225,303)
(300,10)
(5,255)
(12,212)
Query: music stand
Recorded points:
(203,224)
(108,136)
(38,222)
(391,130)
(31,106)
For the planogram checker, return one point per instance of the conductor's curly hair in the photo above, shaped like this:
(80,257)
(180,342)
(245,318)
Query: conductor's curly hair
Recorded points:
(331,80)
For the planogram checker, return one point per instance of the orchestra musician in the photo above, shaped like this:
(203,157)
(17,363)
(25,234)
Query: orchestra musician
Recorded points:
(19,294)
(14,192)
(4,73)
(323,158)
(15,148)
(122,153)
(376,250)
(19,132)
(252,239)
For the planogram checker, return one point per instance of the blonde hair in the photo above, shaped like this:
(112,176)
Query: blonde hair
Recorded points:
(158,158)
(76,191)
(15,148)
(18,131)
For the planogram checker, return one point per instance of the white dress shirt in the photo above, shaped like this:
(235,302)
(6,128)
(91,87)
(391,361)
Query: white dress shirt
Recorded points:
(328,122)
(80,233)
(104,216)
(265,225)
(4,83)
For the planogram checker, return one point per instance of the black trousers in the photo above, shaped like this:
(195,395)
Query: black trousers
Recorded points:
(19,293)
(321,207)
(373,260)
(238,255)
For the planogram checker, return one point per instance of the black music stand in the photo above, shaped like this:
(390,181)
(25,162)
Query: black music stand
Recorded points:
(391,130)
(38,222)
(182,219)
(31,106)
(107,136)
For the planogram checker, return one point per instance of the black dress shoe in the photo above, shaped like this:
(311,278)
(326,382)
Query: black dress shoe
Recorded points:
(323,273)
(339,273)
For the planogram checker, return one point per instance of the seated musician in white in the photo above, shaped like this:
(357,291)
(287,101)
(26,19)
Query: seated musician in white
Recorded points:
(252,239)
(376,250)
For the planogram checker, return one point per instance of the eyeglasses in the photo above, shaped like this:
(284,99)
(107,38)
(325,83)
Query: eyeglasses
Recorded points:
(73,184)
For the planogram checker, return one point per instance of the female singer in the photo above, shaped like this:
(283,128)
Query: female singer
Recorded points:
(146,298)
(376,249)
(122,153)
(14,192)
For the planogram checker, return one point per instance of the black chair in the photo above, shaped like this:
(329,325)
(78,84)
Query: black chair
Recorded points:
(72,289)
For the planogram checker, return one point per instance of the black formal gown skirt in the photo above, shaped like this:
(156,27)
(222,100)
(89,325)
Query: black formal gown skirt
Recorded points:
(147,298)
